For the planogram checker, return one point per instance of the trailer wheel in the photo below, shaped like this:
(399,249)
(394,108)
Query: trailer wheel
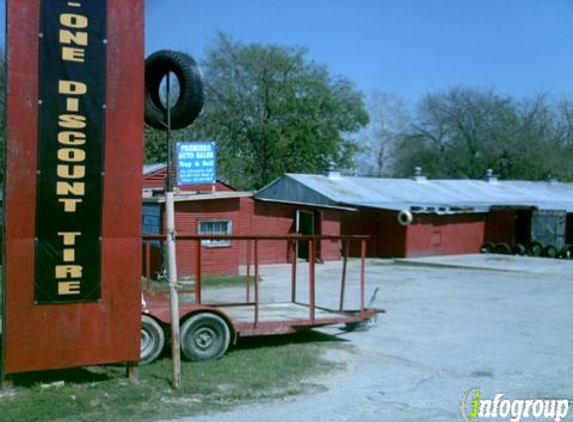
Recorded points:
(204,336)
(503,249)
(487,247)
(518,249)
(534,248)
(549,251)
(566,252)
(191,97)
(152,340)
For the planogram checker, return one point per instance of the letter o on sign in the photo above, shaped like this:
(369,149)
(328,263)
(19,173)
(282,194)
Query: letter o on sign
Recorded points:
(405,217)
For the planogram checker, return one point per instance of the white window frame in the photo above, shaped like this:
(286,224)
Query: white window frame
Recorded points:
(211,243)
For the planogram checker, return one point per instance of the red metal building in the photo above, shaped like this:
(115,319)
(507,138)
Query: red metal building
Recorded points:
(439,217)
(199,210)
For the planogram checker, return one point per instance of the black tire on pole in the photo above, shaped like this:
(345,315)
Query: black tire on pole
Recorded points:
(152,340)
(518,249)
(534,248)
(191,96)
(503,248)
(487,247)
(549,251)
(204,336)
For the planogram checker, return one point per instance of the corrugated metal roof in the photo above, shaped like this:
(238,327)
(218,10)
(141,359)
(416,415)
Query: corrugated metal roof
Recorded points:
(426,195)
(182,197)
(150,168)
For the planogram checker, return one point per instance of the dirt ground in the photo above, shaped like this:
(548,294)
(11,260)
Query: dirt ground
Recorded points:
(503,324)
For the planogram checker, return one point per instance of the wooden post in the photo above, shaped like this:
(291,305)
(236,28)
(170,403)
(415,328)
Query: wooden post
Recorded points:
(7,384)
(171,252)
(248,276)
(256,282)
(132,372)
(293,271)
(311,277)
(345,246)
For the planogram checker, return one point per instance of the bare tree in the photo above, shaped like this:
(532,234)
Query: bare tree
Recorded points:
(389,120)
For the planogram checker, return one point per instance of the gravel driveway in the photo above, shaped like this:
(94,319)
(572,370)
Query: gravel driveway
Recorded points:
(503,328)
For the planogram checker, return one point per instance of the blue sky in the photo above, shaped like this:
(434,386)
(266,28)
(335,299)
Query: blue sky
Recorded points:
(406,47)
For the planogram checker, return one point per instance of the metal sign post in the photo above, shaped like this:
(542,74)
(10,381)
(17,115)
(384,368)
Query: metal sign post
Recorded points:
(171,251)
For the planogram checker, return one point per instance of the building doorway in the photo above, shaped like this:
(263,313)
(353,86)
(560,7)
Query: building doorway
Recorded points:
(305,225)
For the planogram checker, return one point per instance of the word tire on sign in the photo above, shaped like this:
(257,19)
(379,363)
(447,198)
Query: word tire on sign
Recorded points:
(71,118)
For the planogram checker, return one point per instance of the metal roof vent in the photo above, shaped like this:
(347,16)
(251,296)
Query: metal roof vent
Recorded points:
(418,175)
(489,176)
(332,173)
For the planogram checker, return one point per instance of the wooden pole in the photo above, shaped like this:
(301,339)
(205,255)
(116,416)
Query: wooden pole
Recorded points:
(171,252)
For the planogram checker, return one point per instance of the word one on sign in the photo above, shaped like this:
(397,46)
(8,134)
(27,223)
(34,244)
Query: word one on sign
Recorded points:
(196,163)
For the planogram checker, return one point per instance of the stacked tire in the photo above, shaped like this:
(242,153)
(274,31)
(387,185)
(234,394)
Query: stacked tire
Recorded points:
(535,248)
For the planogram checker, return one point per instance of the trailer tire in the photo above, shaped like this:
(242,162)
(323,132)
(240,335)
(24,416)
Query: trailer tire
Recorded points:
(191,96)
(152,340)
(518,249)
(204,336)
(549,251)
(566,252)
(503,249)
(487,247)
(534,248)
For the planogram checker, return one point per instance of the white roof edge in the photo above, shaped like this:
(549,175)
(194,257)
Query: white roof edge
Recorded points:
(334,207)
(200,197)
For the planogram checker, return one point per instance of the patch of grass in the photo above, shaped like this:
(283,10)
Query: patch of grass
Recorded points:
(258,370)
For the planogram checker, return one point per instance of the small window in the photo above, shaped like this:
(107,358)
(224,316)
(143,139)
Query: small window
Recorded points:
(215,227)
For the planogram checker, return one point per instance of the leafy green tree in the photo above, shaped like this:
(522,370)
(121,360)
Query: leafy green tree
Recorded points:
(272,110)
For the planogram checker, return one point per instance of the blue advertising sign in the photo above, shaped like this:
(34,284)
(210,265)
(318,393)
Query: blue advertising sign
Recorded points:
(151,219)
(196,163)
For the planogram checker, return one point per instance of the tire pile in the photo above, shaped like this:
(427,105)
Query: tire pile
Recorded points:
(534,248)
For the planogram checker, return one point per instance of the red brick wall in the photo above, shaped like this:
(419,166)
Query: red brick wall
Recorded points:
(445,234)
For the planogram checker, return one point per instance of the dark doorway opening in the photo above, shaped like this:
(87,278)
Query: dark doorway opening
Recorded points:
(522,231)
(305,225)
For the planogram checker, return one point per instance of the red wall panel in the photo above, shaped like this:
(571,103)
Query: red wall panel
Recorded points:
(249,217)
(214,260)
(387,237)
(445,234)
(59,336)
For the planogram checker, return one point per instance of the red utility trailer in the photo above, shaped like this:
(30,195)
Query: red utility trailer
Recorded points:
(208,328)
